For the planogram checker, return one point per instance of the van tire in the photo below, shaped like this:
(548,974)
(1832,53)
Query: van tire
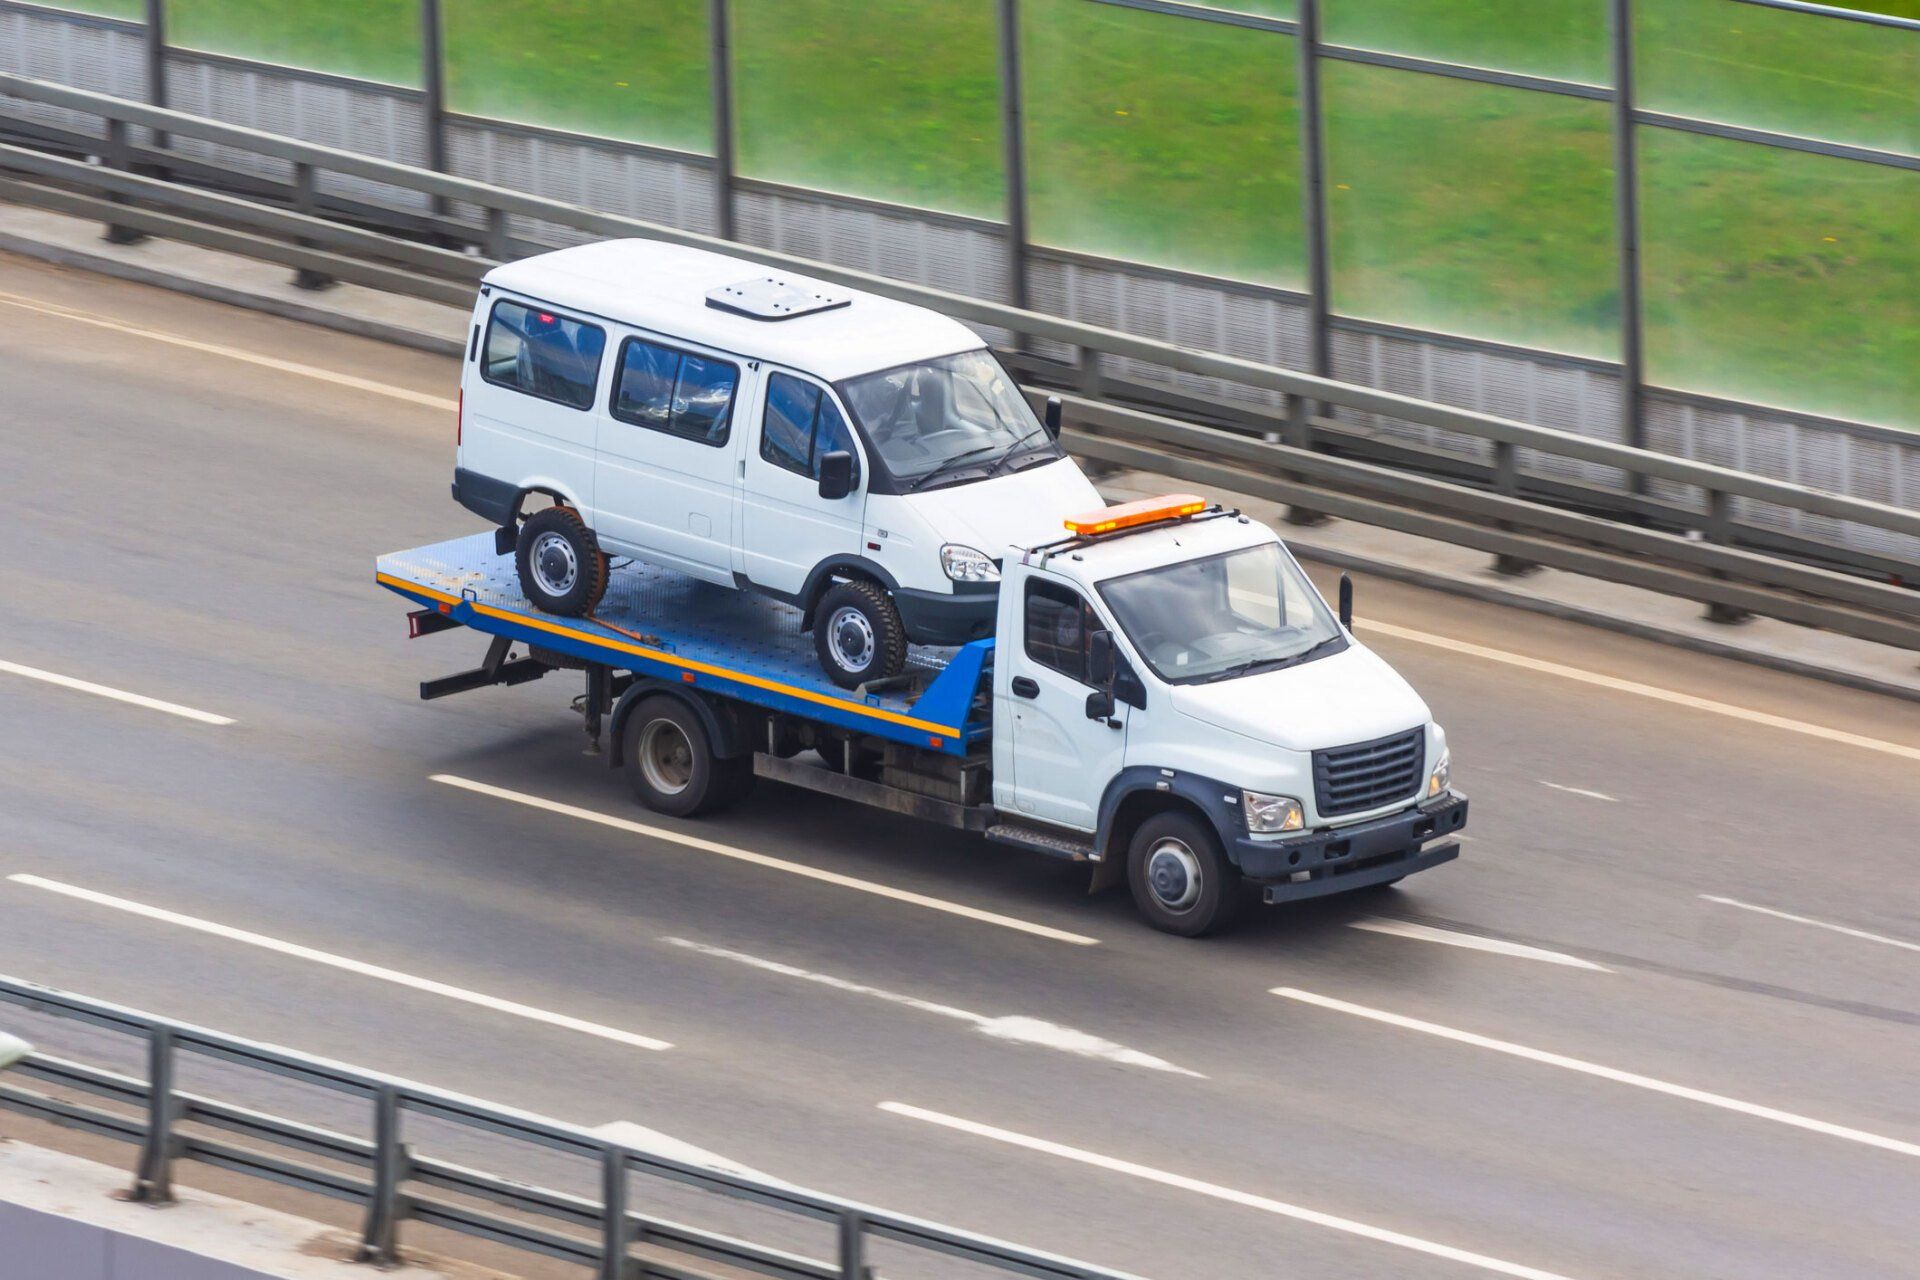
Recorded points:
(857,619)
(562,569)
(1180,880)
(670,763)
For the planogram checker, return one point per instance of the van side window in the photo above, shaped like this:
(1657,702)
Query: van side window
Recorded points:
(802,425)
(1058,623)
(678,392)
(543,354)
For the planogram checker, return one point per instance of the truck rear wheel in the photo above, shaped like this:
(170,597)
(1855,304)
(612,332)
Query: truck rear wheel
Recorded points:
(1181,881)
(670,762)
(561,567)
(858,633)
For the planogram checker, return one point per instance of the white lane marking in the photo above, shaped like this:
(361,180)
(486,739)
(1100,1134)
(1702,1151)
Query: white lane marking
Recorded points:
(1605,1073)
(1015,1027)
(763,860)
(653,1142)
(1818,924)
(1472,942)
(118,695)
(1578,791)
(365,970)
(233,353)
(1646,691)
(1218,1192)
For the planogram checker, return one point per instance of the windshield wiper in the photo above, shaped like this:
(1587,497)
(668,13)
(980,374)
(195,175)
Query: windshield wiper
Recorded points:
(1271,664)
(949,465)
(1014,451)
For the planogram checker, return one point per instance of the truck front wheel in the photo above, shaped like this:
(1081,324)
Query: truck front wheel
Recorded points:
(670,762)
(1181,881)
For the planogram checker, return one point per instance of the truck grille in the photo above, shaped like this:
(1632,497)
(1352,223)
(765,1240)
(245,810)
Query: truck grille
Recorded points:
(1367,775)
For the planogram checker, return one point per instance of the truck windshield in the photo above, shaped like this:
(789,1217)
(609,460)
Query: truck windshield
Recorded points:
(1223,616)
(960,415)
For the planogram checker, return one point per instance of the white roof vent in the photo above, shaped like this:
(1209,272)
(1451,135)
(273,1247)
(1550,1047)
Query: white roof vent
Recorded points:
(771,298)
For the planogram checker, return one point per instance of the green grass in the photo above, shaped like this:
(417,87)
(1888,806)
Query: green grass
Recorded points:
(1479,209)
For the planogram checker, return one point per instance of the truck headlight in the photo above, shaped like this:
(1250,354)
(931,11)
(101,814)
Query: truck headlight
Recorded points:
(1442,776)
(1266,814)
(964,564)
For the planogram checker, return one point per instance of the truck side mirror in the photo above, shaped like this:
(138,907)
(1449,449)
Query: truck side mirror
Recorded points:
(836,474)
(1346,602)
(1052,417)
(1100,659)
(1100,705)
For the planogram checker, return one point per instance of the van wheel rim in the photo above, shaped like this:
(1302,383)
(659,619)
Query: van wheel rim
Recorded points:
(555,566)
(1174,876)
(666,757)
(850,636)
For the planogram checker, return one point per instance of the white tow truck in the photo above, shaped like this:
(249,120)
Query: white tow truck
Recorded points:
(1166,697)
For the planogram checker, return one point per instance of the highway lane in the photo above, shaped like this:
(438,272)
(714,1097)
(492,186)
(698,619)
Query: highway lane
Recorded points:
(201,531)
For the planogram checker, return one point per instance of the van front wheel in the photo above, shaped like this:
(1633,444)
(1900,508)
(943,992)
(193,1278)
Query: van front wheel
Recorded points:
(561,566)
(858,633)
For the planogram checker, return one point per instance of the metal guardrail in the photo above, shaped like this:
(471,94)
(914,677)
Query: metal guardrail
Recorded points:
(169,1126)
(1702,552)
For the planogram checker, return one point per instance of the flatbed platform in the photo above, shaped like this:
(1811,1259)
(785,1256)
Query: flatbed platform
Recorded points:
(658,623)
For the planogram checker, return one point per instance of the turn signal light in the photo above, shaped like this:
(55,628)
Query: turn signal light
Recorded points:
(1170,506)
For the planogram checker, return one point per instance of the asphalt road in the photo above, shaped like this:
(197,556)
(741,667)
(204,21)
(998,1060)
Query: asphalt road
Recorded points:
(1707,1090)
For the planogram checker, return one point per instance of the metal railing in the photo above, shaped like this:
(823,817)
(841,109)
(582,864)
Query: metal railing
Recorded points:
(1306,453)
(388,1179)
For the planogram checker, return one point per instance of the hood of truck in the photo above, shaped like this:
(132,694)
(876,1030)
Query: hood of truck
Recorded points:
(1351,696)
(1018,509)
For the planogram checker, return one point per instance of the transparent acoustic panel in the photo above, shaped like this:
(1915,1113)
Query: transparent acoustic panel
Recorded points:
(1808,74)
(637,70)
(1781,277)
(1163,140)
(1560,39)
(1470,208)
(895,100)
(366,39)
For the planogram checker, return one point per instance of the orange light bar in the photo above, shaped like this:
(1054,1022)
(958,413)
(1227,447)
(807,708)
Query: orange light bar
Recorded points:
(1171,506)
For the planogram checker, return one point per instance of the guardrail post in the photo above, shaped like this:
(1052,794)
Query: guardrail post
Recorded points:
(1719,531)
(1506,483)
(1088,370)
(117,156)
(720,70)
(853,1247)
(498,225)
(1626,202)
(306,200)
(1013,150)
(379,1237)
(153,1180)
(615,1230)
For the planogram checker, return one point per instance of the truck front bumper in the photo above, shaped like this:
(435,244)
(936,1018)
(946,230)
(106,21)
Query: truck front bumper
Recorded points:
(1318,863)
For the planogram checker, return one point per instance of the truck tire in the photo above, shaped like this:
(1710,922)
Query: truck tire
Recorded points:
(670,762)
(858,633)
(1181,881)
(561,566)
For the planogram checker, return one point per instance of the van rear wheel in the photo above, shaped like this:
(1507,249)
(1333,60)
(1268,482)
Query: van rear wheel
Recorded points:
(562,569)
(1181,881)
(858,633)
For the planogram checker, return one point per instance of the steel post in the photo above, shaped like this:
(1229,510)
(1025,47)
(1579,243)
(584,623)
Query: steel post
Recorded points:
(853,1246)
(433,78)
(1302,410)
(156,50)
(720,70)
(1013,144)
(306,199)
(118,155)
(379,1237)
(1626,200)
(615,1229)
(153,1181)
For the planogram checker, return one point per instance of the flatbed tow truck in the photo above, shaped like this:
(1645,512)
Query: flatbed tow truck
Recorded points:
(1169,700)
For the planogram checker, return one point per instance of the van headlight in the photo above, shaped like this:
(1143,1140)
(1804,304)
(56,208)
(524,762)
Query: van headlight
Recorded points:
(1268,814)
(1442,776)
(964,564)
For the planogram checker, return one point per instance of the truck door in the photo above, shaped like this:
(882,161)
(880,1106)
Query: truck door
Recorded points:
(786,526)
(1061,760)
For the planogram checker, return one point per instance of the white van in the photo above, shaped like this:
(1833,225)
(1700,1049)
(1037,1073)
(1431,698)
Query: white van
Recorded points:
(865,459)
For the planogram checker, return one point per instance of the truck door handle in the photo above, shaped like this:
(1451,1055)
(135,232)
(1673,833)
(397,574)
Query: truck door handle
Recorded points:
(1026,686)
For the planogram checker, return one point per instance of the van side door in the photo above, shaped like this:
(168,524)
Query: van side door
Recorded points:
(786,526)
(529,406)
(666,483)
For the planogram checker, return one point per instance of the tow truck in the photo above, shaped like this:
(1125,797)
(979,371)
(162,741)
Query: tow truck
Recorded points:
(1166,697)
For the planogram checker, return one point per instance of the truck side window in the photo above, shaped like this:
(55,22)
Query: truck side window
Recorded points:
(678,392)
(543,354)
(1058,622)
(802,424)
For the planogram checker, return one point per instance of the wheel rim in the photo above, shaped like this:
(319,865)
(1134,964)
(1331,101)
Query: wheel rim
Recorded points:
(850,636)
(666,757)
(1174,876)
(555,566)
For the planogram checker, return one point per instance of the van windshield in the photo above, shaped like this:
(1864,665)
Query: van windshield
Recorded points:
(1223,616)
(956,418)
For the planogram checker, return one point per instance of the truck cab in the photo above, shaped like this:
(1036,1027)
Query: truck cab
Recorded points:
(1171,692)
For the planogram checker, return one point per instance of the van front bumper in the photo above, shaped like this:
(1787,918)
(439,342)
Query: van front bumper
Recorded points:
(949,618)
(1315,864)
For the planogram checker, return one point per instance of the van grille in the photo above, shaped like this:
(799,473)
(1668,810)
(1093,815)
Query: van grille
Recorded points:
(1367,775)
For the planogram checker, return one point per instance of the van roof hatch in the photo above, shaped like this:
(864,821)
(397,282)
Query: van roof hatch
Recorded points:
(771,298)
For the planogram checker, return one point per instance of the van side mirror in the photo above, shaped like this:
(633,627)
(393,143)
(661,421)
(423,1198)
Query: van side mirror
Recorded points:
(1346,602)
(1051,419)
(836,474)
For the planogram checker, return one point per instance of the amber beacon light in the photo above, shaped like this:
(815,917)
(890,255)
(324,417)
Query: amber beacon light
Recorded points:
(1172,506)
